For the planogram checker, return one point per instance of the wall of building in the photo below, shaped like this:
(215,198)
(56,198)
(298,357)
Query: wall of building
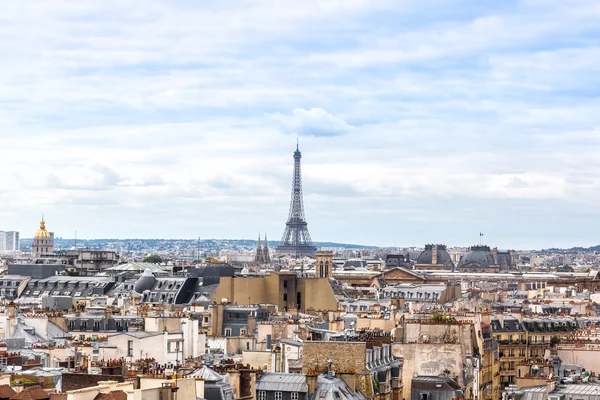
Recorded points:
(586,358)
(148,347)
(375,323)
(345,355)
(432,348)
(72,381)
(238,344)
(316,293)
(258,359)
(159,324)
(277,330)
(428,359)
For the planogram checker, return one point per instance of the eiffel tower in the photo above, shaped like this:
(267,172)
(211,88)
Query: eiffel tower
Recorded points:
(296,241)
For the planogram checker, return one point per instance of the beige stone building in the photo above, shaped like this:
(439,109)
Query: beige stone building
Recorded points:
(284,289)
(431,347)
(378,372)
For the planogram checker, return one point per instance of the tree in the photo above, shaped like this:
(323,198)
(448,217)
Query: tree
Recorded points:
(153,258)
(555,340)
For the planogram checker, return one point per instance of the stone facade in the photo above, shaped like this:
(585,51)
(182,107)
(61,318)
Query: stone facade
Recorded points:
(285,289)
(436,348)
(377,373)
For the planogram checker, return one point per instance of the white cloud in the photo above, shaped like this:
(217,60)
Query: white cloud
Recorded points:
(313,122)
(405,116)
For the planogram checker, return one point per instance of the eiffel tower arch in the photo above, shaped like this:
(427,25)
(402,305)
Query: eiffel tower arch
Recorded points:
(296,241)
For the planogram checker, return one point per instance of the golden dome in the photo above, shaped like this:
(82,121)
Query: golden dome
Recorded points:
(42,233)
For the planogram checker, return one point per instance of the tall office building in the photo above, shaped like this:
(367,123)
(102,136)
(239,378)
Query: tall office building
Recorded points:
(9,241)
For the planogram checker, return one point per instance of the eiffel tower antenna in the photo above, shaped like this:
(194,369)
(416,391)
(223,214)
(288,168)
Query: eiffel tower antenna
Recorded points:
(296,241)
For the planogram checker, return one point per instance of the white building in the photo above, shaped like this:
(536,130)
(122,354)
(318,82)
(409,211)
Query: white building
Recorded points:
(9,241)
(166,347)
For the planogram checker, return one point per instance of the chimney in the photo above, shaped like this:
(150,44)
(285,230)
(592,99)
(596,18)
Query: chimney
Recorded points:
(11,309)
(234,380)
(434,254)
(495,254)
(251,324)
(349,378)
(312,380)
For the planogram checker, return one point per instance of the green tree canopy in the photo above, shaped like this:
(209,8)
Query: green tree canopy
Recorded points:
(153,258)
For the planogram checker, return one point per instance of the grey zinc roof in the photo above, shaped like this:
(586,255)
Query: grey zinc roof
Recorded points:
(208,374)
(532,393)
(478,254)
(331,388)
(436,380)
(242,308)
(138,267)
(426,256)
(271,381)
(590,389)
(54,331)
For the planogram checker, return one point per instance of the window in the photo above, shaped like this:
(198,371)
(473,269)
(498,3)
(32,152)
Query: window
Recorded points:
(243,331)
(130,348)
(174,346)
(285,283)
(424,396)
(227,331)
(285,297)
(294,396)
(262,395)
(278,396)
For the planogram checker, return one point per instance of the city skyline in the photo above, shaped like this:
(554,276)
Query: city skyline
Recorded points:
(415,126)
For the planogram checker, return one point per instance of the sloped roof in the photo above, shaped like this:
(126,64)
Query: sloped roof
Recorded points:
(331,388)
(208,374)
(281,382)
(6,392)
(31,393)
(438,382)
(138,267)
(21,332)
(113,395)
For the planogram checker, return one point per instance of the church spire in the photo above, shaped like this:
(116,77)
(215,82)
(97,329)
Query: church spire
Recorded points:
(266,255)
(259,258)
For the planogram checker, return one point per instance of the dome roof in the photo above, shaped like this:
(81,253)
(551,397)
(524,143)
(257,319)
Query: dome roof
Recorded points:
(478,254)
(443,258)
(146,282)
(42,233)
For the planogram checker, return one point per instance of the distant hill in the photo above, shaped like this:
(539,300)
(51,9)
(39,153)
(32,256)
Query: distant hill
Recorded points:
(575,249)
(165,244)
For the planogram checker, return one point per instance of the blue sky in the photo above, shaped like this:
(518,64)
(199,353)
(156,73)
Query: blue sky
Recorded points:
(419,122)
